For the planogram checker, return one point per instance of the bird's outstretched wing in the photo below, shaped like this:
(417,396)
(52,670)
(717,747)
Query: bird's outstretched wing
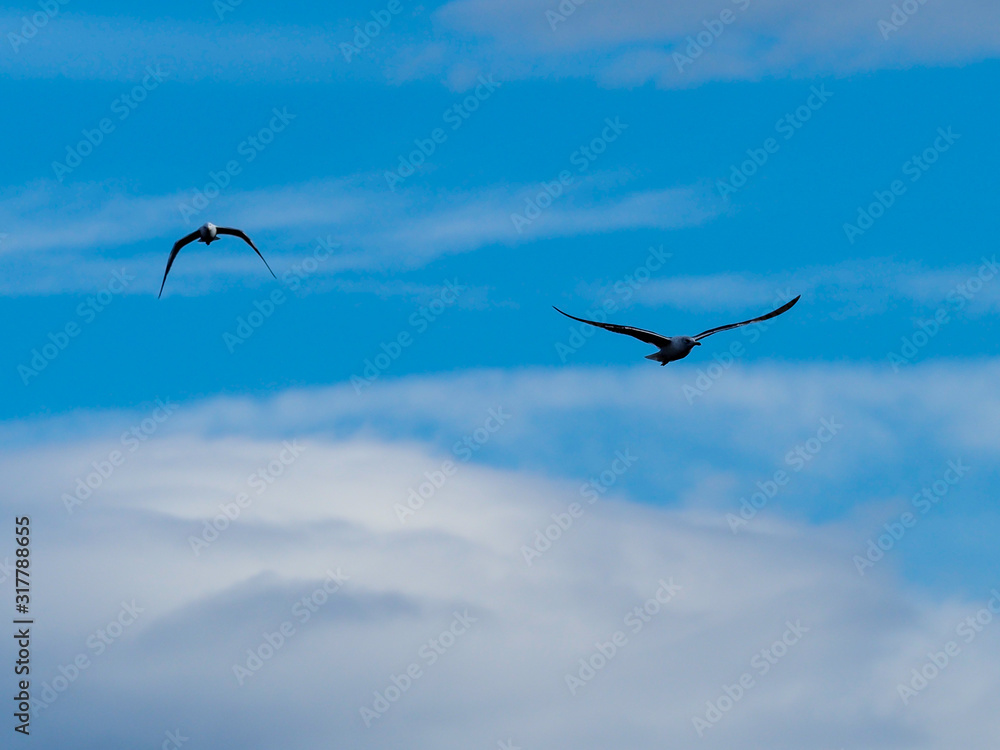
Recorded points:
(773,314)
(242,235)
(173,254)
(637,333)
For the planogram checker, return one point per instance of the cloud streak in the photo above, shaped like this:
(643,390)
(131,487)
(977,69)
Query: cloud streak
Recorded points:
(854,288)
(51,228)
(618,46)
(698,40)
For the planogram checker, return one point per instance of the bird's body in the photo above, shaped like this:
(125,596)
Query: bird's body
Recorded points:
(207,233)
(677,348)
(673,348)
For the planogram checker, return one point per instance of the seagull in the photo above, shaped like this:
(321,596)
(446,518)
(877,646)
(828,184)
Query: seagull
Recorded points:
(673,348)
(207,233)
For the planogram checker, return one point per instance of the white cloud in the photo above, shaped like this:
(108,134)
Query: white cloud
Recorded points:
(505,678)
(634,43)
(50,228)
(855,288)
(83,46)
(619,45)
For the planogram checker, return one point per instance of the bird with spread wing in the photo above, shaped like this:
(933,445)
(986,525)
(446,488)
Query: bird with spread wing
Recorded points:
(673,348)
(207,233)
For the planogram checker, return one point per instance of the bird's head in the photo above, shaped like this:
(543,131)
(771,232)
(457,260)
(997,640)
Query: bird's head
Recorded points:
(689,342)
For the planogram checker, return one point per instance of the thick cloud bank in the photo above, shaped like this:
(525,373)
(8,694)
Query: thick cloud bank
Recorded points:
(314,587)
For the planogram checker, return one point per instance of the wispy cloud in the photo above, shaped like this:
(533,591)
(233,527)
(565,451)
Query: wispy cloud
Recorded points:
(619,45)
(852,288)
(50,227)
(697,40)
(82,46)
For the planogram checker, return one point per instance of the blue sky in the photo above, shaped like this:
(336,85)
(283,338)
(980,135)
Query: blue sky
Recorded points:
(822,108)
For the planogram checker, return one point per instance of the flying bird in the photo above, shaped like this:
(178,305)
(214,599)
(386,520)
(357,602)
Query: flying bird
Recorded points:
(673,348)
(207,233)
